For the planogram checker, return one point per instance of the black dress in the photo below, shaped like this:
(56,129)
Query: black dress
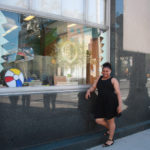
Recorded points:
(107,101)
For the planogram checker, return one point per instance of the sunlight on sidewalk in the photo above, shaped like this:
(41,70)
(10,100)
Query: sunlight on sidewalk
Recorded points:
(138,141)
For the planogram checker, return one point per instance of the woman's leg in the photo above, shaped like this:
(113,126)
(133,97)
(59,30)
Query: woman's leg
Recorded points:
(112,127)
(101,121)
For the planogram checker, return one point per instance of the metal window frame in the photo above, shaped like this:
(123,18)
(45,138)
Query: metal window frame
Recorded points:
(108,23)
(41,89)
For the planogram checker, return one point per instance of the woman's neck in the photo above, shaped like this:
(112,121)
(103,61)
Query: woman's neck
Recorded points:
(105,78)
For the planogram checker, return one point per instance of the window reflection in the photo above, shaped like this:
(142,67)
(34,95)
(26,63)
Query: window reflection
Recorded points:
(96,11)
(73,8)
(16,3)
(47,52)
(48,6)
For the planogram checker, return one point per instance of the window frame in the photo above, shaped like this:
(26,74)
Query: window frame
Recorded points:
(40,89)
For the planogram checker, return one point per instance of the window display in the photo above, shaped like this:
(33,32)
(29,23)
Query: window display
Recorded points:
(48,52)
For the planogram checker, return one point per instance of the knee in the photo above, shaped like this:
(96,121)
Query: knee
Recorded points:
(99,121)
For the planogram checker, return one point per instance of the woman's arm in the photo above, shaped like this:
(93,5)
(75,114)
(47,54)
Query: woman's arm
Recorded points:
(117,91)
(91,89)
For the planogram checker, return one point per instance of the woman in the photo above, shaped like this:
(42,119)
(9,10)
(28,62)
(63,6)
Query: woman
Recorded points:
(109,103)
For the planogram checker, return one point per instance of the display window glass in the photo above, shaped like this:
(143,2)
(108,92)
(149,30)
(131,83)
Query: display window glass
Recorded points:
(43,52)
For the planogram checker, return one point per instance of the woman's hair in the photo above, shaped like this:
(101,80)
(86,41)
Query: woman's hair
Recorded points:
(107,65)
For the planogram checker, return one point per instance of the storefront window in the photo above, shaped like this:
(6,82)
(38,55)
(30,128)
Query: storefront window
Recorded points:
(16,3)
(72,9)
(47,6)
(96,11)
(73,12)
(42,52)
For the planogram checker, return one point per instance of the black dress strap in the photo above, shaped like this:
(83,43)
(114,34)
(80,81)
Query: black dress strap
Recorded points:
(100,77)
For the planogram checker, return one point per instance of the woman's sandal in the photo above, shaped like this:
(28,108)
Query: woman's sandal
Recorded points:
(106,145)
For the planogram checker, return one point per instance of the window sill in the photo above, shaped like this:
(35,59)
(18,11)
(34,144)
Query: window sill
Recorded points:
(7,91)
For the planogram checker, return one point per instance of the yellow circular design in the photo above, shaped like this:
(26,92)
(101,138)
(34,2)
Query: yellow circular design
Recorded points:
(69,51)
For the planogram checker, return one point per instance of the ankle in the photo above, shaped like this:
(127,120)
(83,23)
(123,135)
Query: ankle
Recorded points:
(110,138)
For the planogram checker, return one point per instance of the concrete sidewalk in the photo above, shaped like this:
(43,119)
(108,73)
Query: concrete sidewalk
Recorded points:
(138,141)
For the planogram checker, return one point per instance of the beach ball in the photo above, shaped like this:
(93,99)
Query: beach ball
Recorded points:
(14,78)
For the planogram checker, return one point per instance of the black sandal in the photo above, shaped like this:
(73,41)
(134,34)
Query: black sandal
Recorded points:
(106,145)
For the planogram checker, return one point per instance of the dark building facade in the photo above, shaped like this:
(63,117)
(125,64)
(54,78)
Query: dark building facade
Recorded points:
(50,55)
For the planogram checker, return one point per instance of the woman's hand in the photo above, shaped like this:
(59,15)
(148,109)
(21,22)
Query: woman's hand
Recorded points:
(119,109)
(117,91)
(91,89)
(88,94)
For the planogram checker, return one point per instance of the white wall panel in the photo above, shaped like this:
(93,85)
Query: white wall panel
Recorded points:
(136,26)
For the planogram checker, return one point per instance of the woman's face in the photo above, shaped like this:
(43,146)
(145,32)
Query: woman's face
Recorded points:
(106,72)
